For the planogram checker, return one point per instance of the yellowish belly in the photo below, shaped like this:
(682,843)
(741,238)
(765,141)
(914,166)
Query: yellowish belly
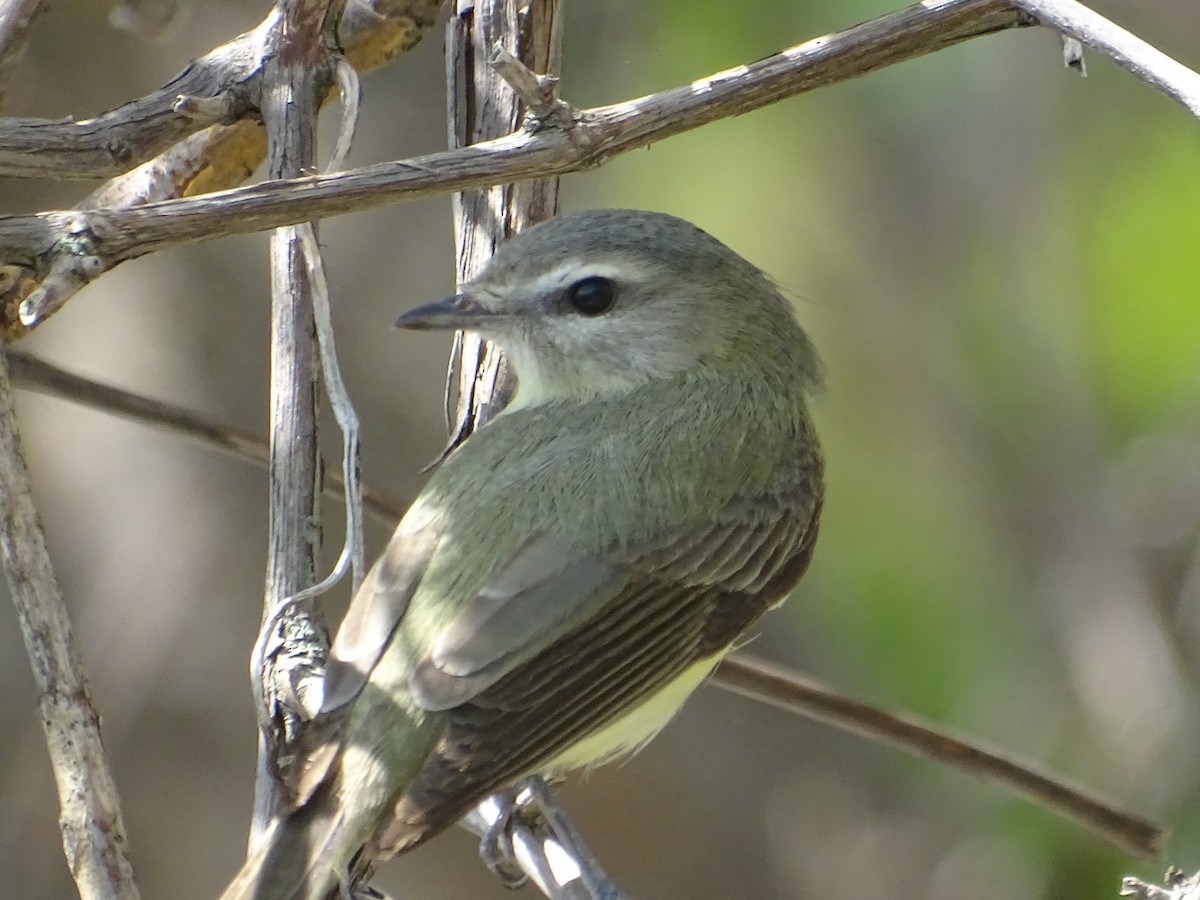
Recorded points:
(627,734)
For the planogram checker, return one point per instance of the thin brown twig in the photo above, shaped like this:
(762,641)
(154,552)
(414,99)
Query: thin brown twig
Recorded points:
(777,686)
(36,374)
(786,689)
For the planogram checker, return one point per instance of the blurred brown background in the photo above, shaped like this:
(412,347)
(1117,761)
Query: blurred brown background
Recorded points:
(1001,264)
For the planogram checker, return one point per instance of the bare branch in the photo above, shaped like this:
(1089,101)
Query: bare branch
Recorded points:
(481,105)
(350,91)
(1129,51)
(114,236)
(90,810)
(1176,886)
(35,374)
(548,849)
(220,87)
(115,140)
(354,547)
(16,18)
(780,687)
(289,656)
(539,93)
(223,156)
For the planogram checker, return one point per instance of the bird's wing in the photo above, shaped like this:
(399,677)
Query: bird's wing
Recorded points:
(376,610)
(545,591)
(366,631)
(655,610)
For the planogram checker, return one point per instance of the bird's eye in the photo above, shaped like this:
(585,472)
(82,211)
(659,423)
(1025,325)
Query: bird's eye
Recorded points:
(592,296)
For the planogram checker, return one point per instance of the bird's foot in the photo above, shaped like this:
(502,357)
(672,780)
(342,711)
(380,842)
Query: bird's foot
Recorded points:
(496,844)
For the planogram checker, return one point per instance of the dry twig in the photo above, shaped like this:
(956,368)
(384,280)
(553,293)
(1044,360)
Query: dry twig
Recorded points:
(1176,886)
(785,689)
(90,810)
(38,375)
(289,656)
(1128,50)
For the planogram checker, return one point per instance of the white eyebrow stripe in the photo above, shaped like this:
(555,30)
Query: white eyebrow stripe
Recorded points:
(575,270)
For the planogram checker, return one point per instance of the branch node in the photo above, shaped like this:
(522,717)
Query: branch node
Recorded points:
(67,275)
(214,110)
(1073,58)
(1176,886)
(539,93)
(119,151)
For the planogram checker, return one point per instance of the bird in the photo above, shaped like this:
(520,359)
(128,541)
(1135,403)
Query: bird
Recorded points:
(577,567)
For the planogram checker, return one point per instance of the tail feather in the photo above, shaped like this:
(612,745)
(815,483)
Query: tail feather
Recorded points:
(303,856)
(309,853)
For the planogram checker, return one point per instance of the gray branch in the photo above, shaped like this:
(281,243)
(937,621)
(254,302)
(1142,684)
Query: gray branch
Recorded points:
(482,104)
(221,86)
(1129,51)
(1177,885)
(212,89)
(290,653)
(90,810)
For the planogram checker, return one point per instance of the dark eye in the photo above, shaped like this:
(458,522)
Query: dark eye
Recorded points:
(592,296)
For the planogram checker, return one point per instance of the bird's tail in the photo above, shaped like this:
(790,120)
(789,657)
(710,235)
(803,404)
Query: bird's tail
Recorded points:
(305,855)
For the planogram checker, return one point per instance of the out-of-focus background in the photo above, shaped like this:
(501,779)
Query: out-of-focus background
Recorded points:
(1001,264)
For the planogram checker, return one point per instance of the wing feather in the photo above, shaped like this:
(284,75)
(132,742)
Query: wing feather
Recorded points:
(676,601)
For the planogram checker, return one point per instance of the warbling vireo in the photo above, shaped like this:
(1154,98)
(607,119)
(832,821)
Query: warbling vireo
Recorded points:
(577,567)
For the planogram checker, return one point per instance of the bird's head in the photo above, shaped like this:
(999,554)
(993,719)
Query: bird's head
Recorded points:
(600,302)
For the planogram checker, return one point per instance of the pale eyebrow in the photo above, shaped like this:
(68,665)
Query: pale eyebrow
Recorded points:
(575,270)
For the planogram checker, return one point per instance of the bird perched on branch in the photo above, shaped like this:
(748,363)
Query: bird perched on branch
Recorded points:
(577,567)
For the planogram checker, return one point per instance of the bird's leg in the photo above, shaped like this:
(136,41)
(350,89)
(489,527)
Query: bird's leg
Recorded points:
(496,844)
(525,836)
(580,867)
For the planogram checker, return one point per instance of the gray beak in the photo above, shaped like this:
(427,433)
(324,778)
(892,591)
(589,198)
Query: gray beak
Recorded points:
(459,312)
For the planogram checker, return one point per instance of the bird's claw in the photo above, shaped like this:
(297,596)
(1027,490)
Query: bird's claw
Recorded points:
(496,845)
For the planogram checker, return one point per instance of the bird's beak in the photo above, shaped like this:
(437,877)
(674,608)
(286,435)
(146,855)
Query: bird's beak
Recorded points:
(459,312)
